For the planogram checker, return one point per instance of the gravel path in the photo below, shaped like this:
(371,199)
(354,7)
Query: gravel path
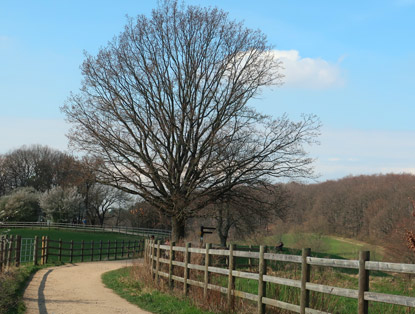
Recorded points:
(76,289)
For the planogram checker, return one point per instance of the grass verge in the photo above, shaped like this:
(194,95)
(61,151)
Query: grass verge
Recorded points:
(12,285)
(147,298)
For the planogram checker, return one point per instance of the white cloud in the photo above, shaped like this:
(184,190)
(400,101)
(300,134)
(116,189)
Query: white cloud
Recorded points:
(308,72)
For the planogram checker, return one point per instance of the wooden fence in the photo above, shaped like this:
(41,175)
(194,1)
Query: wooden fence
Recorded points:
(46,250)
(9,251)
(81,251)
(157,254)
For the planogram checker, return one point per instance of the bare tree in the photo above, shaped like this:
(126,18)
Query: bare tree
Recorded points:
(165,102)
(143,215)
(36,166)
(103,199)
(248,209)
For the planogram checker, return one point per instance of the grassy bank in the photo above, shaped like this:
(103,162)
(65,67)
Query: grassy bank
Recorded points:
(125,284)
(143,293)
(12,285)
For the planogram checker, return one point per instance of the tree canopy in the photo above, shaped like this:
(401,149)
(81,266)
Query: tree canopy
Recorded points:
(164,106)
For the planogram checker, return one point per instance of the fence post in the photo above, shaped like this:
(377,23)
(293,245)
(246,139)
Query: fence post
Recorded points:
(231,278)
(82,250)
(158,261)
(4,256)
(18,248)
(35,251)
(128,249)
(148,251)
(10,252)
(250,259)
(60,250)
(42,256)
(145,251)
(262,270)
(140,248)
(5,251)
(171,259)
(92,250)
(100,250)
(108,249)
(207,263)
(186,273)
(152,258)
(46,249)
(305,277)
(71,252)
(1,253)
(116,249)
(363,282)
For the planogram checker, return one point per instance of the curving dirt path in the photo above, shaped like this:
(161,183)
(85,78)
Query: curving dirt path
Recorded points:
(76,289)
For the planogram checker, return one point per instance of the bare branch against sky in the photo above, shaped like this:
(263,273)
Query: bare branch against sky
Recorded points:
(164,105)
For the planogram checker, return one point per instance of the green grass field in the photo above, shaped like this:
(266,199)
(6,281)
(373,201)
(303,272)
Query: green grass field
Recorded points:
(346,248)
(124,246)
(67,235)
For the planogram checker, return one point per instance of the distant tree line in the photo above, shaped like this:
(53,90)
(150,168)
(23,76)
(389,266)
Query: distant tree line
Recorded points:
(374,208)
(38,183)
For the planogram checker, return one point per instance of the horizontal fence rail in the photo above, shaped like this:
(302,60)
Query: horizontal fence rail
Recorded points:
(91,228)
(160,257)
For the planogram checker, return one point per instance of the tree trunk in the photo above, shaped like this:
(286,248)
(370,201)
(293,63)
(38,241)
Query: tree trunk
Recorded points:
(177,229)
(223,239)
(101,219)
(223,224)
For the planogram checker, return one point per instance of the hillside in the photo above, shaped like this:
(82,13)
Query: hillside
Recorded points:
(374,209)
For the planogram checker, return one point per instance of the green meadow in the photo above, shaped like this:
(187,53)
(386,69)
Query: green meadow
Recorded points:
(87,246)
(342,247)
(68,235)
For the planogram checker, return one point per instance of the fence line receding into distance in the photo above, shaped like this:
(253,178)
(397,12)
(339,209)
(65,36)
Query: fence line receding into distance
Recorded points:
(46,250)
(157,255)
(91,228)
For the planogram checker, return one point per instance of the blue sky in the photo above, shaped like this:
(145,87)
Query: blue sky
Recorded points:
(352,63)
